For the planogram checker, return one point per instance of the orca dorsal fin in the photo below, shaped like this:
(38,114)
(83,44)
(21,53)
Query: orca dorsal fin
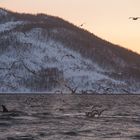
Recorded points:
(4,108)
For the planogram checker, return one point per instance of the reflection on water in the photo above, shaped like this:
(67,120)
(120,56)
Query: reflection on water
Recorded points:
(53,117)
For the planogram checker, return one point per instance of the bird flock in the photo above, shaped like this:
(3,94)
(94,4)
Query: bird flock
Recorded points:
(95,111)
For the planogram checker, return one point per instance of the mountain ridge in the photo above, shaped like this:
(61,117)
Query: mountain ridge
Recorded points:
(78,58)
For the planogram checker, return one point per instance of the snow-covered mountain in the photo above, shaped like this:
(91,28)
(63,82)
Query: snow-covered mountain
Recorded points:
(42,53)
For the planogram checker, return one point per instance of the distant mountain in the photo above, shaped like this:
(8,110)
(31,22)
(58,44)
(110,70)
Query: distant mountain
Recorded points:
(42,53)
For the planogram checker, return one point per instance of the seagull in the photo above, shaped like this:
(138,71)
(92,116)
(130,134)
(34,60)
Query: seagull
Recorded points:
(81,25)
(68,55)
(134,18)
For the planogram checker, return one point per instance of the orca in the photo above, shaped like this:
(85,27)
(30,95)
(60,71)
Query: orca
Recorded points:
(4,108)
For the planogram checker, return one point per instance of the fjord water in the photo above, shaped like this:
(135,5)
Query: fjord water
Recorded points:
(53,117)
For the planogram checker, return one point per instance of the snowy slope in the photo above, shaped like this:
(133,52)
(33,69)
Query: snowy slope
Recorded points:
(3,12)
(32,60)
(9,25)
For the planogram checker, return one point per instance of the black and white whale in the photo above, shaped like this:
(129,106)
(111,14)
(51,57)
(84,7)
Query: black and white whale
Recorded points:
(12,113)
(4,109)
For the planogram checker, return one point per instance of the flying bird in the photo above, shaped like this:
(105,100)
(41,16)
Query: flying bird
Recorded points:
(81,25)
(68,55)
(134,18)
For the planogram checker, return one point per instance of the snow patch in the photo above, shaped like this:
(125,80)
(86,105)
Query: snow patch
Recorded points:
(3,12)
(9,25)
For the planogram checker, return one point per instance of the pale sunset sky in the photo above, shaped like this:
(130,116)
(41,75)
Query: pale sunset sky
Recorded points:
(107,19)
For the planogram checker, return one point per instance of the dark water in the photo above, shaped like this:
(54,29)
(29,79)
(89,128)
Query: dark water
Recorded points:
(62,117)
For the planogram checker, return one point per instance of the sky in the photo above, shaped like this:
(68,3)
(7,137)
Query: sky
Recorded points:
(108,19)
